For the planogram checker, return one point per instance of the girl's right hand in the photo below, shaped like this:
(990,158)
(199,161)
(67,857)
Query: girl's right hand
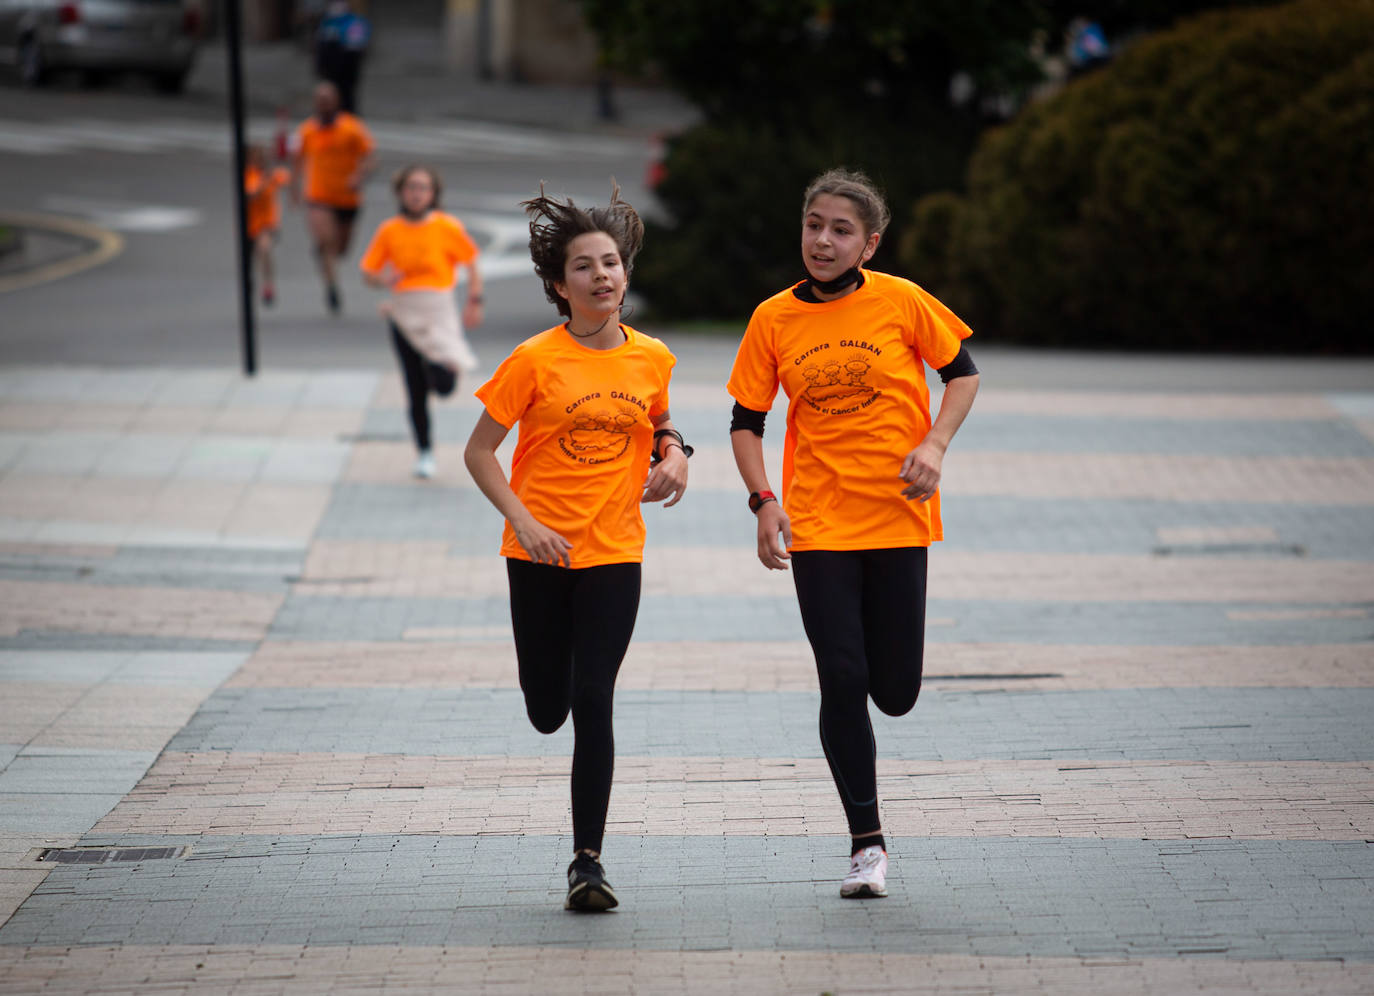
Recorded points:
(543,544)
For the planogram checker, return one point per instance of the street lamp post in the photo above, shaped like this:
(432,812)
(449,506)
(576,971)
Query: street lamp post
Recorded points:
(232,39)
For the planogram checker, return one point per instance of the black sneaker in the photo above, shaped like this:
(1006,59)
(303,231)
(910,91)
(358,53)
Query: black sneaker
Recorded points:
(331,298)
(588,889)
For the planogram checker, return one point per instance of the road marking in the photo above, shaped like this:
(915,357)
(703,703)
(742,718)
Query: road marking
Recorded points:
(107,246)
(462,140)
(123,216)
(507,254)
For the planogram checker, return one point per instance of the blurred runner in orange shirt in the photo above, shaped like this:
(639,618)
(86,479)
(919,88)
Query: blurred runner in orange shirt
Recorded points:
(861,469)
(417,254)
(591,398)
(261,183)
(331,160)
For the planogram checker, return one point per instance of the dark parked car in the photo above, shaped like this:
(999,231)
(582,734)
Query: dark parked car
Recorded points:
(157,37)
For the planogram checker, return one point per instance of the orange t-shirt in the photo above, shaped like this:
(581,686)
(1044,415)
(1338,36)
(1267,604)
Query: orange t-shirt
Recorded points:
(425,253)
(585,438)
(858,403)
(332,154)
(264,208)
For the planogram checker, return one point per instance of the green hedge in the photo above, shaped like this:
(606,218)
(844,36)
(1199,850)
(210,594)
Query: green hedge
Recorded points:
(1210,190)
(733,197)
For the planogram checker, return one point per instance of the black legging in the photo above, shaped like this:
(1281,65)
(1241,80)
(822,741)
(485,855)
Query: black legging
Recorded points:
(572,628)
(421,377)
(865,615)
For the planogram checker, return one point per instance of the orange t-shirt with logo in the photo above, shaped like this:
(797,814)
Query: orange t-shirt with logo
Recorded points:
(586,433)
(264,207)
(425,253)
(331,154)
(853,373)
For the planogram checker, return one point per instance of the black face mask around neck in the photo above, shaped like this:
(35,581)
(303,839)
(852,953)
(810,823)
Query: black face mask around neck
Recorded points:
(849,276)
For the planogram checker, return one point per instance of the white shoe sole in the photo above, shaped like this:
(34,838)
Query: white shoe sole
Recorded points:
(864,891)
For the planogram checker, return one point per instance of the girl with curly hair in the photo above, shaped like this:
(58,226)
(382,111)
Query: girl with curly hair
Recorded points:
(590,396)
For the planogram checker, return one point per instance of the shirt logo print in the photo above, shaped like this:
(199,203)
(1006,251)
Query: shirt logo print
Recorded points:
(598,437)
(839,387)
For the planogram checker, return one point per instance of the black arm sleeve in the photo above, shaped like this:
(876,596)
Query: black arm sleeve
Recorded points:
(747,418)
(960,366)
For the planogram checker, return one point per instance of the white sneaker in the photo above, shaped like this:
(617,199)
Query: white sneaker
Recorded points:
(425,466)
(867,874)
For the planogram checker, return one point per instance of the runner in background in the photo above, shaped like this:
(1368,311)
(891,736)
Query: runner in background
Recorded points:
(417,256)
(861,469)
(261,183)
(591,399)
(330,163)
(341,43)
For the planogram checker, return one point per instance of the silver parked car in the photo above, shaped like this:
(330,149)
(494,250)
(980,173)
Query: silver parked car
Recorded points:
(157,37)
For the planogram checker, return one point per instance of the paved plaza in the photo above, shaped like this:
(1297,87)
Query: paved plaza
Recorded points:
(258,702)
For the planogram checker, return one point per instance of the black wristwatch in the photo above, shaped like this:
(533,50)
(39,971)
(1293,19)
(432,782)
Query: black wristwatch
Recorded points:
(757,499)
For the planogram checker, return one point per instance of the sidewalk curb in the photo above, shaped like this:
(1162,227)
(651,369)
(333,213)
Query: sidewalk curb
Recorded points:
(105,246)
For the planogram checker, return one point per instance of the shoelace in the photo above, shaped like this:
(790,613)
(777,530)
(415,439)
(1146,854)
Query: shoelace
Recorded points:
(865,860)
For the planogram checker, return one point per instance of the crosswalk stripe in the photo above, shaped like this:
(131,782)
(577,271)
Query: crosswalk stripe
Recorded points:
(469,140)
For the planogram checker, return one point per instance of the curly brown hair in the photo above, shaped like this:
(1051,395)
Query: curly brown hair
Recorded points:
(554,224)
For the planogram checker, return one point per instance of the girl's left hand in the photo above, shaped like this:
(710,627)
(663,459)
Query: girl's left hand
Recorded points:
(667,477)
(472,314)
(921,471)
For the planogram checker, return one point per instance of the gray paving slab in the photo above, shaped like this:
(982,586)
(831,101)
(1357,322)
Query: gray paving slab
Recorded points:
(723,617)
(78,640)
(168,566)
(55,813)
(1353,404)
(711,517)
(1181,436)
(1068,525)
(448,424)
(65,790)
(193,670)
(1218,724)
(73,770)
(90,385)
(990,896)
(397,512)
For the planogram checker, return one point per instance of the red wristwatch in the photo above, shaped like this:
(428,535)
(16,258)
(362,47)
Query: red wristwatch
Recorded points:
(757,499)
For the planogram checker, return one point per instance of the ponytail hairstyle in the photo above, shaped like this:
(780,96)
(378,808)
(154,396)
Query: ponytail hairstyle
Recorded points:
(554,224)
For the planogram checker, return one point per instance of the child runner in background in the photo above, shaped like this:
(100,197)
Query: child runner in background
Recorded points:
(417,256)
(260,185)
(591,398)
(861,469)
(332,159)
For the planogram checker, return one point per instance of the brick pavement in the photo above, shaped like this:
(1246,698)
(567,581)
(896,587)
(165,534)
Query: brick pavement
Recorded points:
(1142,761)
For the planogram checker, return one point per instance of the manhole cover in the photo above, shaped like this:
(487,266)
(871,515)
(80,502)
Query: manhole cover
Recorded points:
(108,855)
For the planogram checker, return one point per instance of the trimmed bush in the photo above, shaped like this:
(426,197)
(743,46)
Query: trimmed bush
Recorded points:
(1207,191)
(733,192)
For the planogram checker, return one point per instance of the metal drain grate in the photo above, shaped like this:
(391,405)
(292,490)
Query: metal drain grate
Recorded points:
(108,855)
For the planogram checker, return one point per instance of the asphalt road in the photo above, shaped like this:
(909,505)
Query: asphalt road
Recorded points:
(158,172)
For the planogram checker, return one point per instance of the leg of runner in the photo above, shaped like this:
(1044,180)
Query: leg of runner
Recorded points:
(894,613)
(262,248)
(324,237)
(414,374)
(831,596)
